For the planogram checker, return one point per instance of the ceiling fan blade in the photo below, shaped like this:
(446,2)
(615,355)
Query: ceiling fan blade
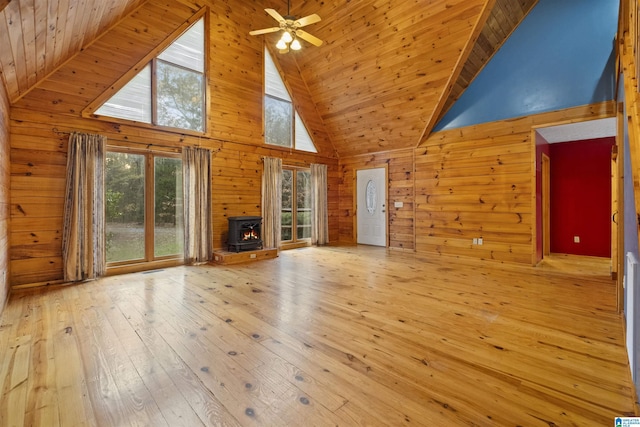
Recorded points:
(307,20)
(275,15)
(264,31)
(308,37)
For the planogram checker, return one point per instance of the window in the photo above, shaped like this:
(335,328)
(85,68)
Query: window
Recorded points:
(282,125)
(143,207)
(296,205)
(170,90)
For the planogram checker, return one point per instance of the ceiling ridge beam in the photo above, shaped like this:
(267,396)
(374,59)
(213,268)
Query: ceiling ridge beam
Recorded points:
(457,69)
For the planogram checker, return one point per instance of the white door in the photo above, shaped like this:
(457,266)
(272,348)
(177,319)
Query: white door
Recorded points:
(371,189)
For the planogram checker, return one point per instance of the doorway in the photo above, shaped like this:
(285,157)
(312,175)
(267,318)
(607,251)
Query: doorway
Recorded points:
(371,206)
(577,200)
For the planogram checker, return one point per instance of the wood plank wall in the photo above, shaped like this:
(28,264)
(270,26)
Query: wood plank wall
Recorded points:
(4,196)
(401,189)
(37,183)
(234,130)
(462,184)
(629,50)
(479,181)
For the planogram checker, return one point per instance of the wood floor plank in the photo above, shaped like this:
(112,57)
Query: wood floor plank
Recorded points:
(113,379)
(42,409)
(217,370)
(17,396)
(200,398)
(349,335)
(74,404)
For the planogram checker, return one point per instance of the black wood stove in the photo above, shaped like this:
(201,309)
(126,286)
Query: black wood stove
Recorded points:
(244,233)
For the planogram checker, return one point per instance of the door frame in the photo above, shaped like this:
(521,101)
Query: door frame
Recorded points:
(546,205)
(617,257)
(617,210)
(386,201)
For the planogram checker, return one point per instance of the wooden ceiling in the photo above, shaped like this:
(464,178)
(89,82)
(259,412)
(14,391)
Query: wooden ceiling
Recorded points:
(386,73)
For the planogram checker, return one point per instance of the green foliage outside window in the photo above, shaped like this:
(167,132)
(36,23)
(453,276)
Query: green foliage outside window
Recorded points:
(278,119)
(296,205)
(180,96)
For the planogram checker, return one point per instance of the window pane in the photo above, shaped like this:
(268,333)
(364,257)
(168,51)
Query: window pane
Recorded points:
(188,49)
(133,101)
(180,97)
(287,200)
(124,191)
(168,226)
(303,207)
(303,139)
(273,84)
(277,122)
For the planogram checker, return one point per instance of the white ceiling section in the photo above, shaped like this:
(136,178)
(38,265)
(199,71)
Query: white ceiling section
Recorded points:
(579,131)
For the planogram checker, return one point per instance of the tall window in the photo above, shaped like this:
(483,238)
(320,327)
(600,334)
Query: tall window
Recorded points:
(169,91)
(282,125)
(143,207)
(296,205)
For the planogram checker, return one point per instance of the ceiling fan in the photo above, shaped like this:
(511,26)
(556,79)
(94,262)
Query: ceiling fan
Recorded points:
(290,27)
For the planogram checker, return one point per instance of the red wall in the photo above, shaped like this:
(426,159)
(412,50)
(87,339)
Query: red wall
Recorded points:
(581,197)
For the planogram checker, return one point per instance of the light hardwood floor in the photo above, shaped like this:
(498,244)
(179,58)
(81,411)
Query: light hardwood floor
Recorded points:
(321,336)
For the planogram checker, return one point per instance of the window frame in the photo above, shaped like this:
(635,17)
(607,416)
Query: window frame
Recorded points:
(154,95)
(295,116)
(149,261)
(295,242)
(150,59)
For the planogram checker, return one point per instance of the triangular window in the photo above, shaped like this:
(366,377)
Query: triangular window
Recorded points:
(282,124)
(169,91)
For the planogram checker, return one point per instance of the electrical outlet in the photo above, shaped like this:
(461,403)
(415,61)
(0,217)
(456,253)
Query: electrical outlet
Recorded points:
(398,204)
(475,241)
(576,239)
(252,256)
(480,241)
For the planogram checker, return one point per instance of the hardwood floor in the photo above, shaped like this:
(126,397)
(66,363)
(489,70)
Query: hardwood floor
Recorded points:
(320,336)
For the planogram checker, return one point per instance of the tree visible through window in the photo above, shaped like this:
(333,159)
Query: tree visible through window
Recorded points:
(296,205)
(177,79)
(136,186)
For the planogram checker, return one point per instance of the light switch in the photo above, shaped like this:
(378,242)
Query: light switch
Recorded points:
(398,204)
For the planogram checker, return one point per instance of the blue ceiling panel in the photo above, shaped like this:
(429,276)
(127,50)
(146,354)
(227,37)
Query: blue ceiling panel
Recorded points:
(561,56)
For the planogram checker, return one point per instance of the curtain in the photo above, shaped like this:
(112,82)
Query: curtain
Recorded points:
(83,228)
(198,234)
(271,202)
(319,210)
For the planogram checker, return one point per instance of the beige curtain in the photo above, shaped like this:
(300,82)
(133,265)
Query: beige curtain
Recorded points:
(319,210)
(271,202)
(198,234)
(83,229)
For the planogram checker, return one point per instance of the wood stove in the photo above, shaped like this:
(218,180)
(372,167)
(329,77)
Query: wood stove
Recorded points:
(245,233)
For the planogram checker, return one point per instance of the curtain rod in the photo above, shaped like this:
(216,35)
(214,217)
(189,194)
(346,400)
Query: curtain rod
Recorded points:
(59,132)
(148,145)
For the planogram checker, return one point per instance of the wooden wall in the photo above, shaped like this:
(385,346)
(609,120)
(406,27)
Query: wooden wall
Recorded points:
(474,182)
(479,181)
(41,121)
(400,168)
(4,196)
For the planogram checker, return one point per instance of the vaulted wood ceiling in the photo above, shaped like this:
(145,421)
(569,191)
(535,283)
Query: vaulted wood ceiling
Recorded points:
(386,73)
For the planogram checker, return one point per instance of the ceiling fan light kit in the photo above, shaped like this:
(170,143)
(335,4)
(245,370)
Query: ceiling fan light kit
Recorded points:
(291,32)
